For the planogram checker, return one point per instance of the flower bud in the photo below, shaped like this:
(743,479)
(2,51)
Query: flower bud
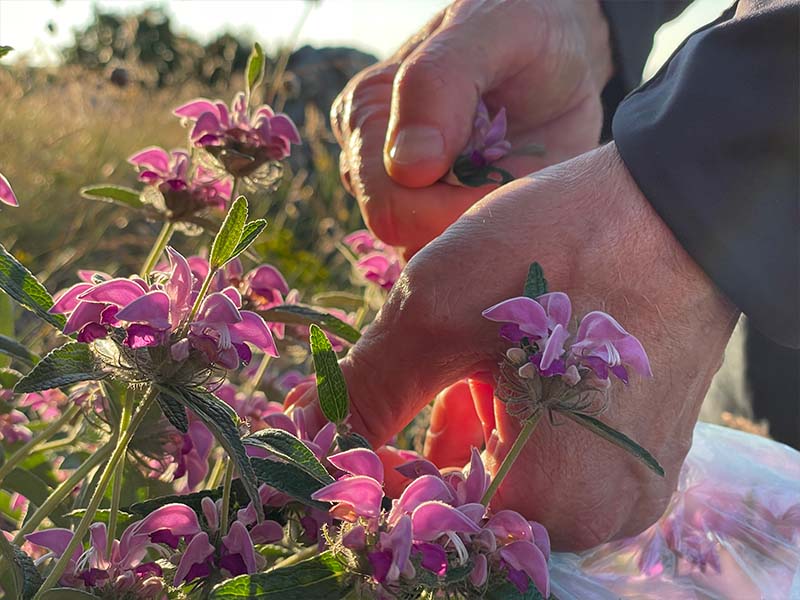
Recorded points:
(516,355)
(571,377)
(527,371)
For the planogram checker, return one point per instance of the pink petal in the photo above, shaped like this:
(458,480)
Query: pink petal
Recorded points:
(480,571)
(557,306)
(363,493)
(67,300)
(207,124)
(416,468)
(233,295)
(118,291)
(281,125)
(434,557)
(356,538)
(522,311)
(509,526)
(84,313)
(253,329)
(7,195)
(195,108)
(398,541)
(238,541)
(151,309)
(526,557)
(197,552)
(359,461)
(554,347)
(177,518)
(152,158)
(267,532)
(210,512)
(541,538)
(218,308)
(56,540)
(432,519)
(179,287)
(266,278)
(423,489)
(474,510)
(477,480)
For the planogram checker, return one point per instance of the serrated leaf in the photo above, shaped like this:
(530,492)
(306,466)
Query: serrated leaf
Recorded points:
(304,315)
(331,386)
(14,349)
(322,577)
(229,234)
(289,479)
(24,576)
(174,411)
(5,50)
(29,484)
(617,438)
(254,72)
(250,232)
(291,449)
(351,440)
(67,364)
(22,286)
(472,175)
(535,283)
(115,194)
(222,421)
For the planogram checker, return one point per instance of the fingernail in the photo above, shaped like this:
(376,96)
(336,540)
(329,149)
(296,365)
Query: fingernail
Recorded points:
(417,143)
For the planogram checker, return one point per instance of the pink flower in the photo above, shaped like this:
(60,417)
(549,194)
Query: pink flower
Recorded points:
(377,263)
(6,193)
(13,427)
(255,137)
(488,142)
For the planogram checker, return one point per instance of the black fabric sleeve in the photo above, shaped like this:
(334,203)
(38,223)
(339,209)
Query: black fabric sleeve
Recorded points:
(632,25)
(712,141)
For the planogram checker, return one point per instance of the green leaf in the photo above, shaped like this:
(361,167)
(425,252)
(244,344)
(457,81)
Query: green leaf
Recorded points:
(239,497)
(535,283)
(348,441)
(222,420)
(5,50)
(471,175)
(174,411)
(67,364)
(289,479)
(24,578)
(255,68)
(249,234)
(34,488)
(9,378)
(343,300)
(23,287)
(288,447)
(14,349)
(113,193)
(322,577)
(303,315)
(331,386)
(617,438)
(229,234)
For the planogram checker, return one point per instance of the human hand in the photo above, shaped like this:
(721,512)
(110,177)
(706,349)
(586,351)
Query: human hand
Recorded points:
(598,240)
(403,122)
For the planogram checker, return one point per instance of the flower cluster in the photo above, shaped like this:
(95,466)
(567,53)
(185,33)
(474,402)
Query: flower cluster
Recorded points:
(487,143)
(377,263)
(545,348)
(436,527)
(160,314)
(240,138)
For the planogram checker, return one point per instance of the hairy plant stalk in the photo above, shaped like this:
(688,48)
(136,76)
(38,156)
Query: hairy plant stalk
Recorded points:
(216,474)
(158,247)
(296,558)
(31,445)
(116,488)
(200,297)
(511,457)
(117,455)
(62,491)
(226,499)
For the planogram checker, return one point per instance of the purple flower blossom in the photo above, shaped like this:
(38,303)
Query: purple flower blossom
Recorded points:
(13,427)
(243,140)
(6,193)
(377,263)
(488,142)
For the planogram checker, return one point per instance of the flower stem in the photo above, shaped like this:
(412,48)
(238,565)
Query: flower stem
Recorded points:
(252,385)
(296,557)
(62,491)
(116,488)
(201,295)
(226,499)
(30,446)
(511,457)
(117,455)
(158,247)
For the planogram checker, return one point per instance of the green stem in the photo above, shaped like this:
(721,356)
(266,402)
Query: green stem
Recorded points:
(120,450)
(30,446)
(61,492)
(203,291)
(297,557)
(158,247)
(252,385)
(511,457)
(216,473)
(226,499)
(116,488)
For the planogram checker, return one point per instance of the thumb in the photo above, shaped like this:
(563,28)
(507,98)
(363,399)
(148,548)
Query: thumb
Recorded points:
(434,98)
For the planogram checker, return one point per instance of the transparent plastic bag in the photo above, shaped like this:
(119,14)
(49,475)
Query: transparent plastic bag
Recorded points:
(732,530)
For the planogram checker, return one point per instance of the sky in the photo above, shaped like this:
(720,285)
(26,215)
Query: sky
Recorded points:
(376,26)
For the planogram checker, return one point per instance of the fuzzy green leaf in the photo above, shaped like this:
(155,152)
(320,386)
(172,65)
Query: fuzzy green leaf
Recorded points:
(618,439)
(115,194)
(348,441)
(174,411)
(22,286)
(322,577)
(255,68)
(229,234)
(67,364)
(29,484)
(291,449)
(289,479)
(18,572)
(239,497)
(14,349)
(535,283)
(222,420)
(250,232)
(303,315)
(331,386)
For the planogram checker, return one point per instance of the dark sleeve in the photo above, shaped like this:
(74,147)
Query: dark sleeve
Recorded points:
(632,25)
(712,141)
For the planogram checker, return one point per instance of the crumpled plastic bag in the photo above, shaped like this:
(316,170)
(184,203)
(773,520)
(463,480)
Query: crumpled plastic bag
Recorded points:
(732,530)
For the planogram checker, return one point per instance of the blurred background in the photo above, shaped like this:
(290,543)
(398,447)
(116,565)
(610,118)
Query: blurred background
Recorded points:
(89,83)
